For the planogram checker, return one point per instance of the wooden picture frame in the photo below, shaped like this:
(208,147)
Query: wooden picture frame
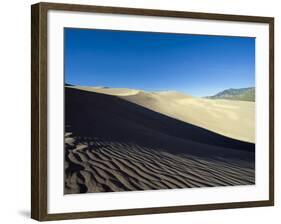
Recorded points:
(39,109)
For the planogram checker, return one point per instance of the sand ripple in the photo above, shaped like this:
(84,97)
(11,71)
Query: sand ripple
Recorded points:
(94,165)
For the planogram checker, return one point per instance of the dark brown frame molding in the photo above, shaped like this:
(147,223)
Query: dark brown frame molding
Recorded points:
(39,110)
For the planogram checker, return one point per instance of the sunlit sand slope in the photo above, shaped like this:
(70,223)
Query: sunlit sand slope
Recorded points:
(108,91)
(235,119)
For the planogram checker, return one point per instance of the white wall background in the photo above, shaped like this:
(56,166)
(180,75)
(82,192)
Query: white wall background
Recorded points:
(15,111)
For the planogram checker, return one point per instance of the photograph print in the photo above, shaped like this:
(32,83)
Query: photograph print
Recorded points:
(156,111)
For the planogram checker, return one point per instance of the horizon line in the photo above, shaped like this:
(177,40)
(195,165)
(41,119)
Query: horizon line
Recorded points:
(159,90)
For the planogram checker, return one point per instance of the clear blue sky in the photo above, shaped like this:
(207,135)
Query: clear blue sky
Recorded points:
(195,64)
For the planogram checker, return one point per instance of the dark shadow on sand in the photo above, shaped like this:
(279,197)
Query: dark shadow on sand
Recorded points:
(113,119)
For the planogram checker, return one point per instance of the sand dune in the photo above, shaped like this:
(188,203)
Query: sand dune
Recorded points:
(112,143)
(234,119)
(108,91)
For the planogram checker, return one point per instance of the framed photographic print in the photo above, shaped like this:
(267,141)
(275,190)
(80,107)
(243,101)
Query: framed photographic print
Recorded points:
(140,111)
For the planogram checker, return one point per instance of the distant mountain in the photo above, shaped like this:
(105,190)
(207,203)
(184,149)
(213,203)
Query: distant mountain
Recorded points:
(243,94)
(67,84)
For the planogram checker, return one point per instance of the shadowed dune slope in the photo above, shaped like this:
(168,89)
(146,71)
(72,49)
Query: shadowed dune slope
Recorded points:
(234,119)
(112,144)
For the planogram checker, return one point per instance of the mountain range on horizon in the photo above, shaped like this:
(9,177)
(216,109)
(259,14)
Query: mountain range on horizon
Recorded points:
(243,94)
